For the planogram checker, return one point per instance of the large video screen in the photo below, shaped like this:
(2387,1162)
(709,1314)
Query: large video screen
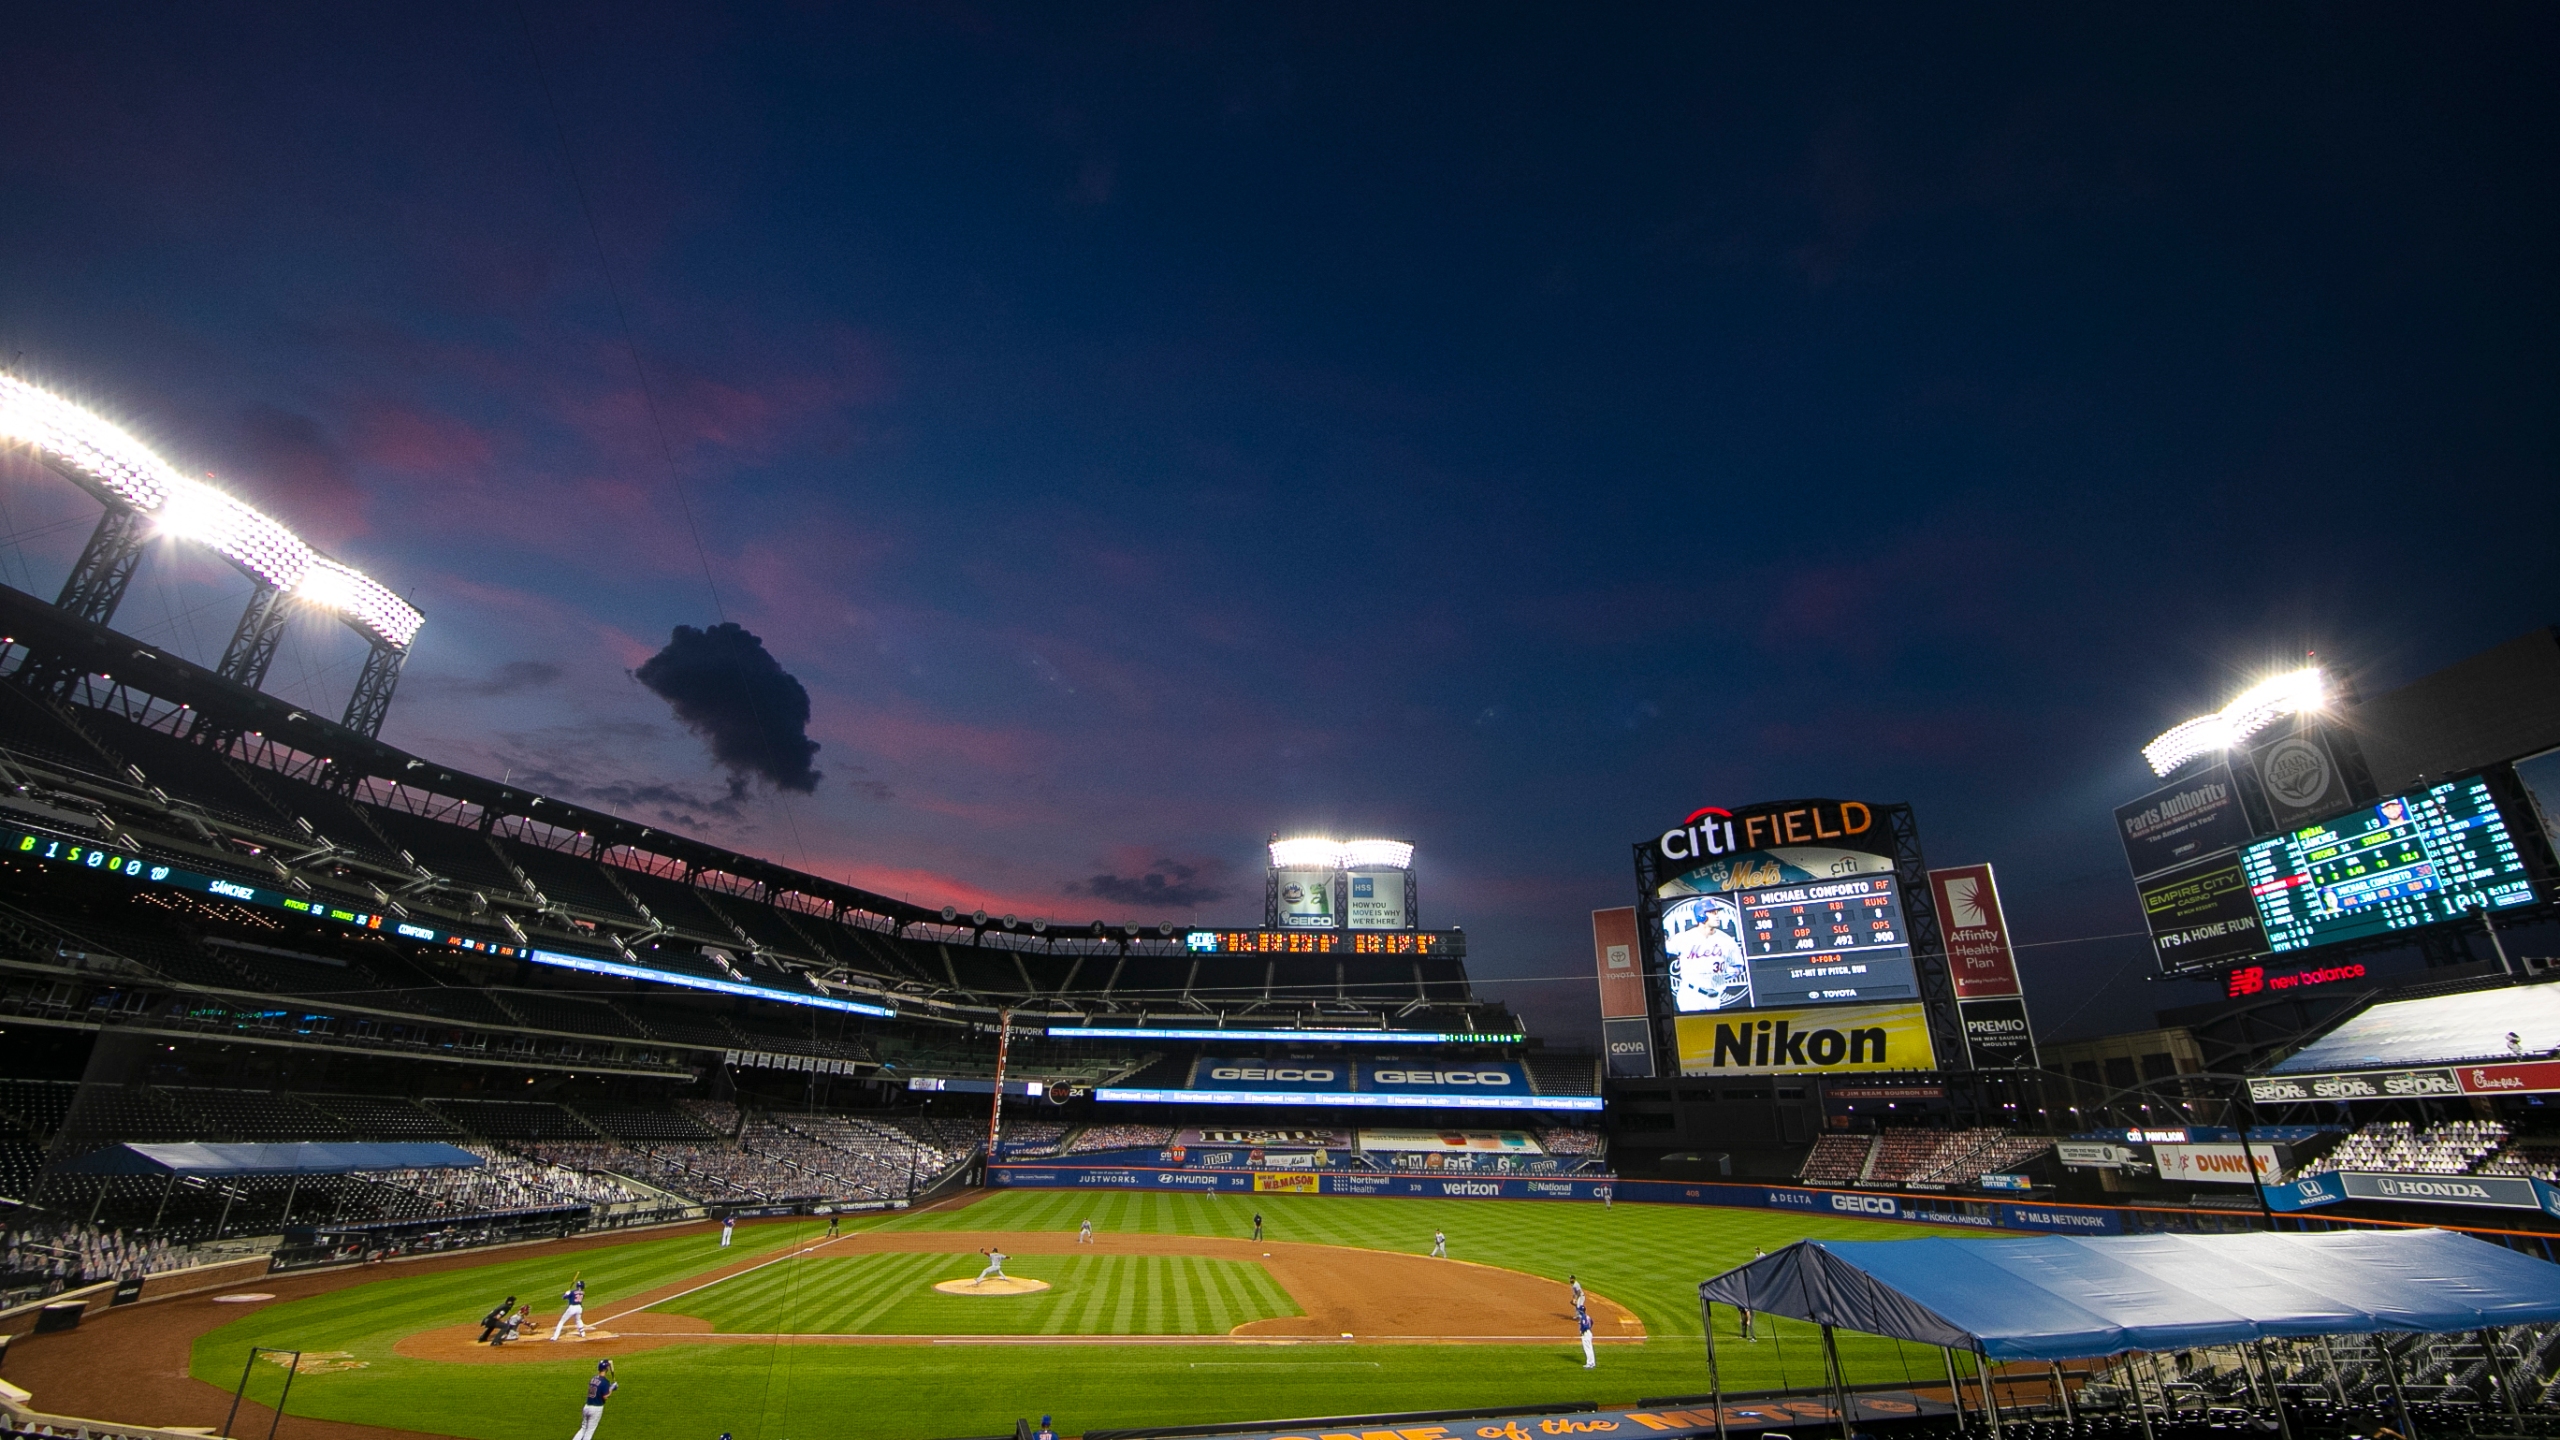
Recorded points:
(1812,943)
(2434,855)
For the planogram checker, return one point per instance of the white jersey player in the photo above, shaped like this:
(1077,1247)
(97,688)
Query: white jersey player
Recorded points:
(1440,1243)
(1084,1236)
(576,1299)
(1582,1318)
(995,1267)
(728,1223)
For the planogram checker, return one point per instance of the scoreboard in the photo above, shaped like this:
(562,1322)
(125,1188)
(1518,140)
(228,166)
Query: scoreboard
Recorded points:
(1821,918)
(2418,859)
(1818,942)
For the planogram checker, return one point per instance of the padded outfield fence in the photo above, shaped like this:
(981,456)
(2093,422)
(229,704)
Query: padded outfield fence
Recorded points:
(1988,1215)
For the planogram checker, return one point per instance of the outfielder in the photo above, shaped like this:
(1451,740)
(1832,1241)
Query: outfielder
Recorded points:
(1582,1317)
(1440,1244)
(995,1267)
(576,1296)
(599,1390)
(1084,1236)
(727,1224)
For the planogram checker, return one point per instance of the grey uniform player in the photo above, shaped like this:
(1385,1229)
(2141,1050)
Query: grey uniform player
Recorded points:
(995,1267)
(1440,1243)
(1084,1235)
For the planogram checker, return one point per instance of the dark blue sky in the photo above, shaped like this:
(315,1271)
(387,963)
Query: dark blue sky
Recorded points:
(1145,428)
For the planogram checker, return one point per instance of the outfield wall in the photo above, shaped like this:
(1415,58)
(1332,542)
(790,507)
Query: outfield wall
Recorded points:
(1852,1204)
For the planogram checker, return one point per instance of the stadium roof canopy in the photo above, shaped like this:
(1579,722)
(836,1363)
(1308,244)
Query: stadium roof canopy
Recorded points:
(2438,1030)
(2068,1296)
(299,1158)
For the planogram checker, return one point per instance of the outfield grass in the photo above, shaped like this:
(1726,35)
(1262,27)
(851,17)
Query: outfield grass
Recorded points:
(1647,1258)
(1090,1295)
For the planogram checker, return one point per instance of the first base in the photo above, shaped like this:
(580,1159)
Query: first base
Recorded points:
(1004,1285)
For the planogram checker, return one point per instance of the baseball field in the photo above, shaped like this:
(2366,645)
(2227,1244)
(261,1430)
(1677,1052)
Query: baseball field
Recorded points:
(1172,1315)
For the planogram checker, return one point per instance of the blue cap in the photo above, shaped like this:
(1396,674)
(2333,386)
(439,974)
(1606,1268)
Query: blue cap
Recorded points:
(604,1364)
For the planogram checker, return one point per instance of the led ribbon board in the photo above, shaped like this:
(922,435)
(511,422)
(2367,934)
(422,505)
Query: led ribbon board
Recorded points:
(1356,1099)
(705,982)
(33,846)
(1318,1037)
(2423,858)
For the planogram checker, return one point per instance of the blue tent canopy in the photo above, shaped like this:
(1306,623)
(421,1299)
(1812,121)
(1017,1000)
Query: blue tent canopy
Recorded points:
(2064,1296)
(298,1158)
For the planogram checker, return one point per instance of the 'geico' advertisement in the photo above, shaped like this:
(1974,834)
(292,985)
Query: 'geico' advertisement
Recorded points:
(1831,1040)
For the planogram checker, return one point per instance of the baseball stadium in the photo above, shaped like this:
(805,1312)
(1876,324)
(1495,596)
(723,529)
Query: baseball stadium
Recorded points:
(350,1095)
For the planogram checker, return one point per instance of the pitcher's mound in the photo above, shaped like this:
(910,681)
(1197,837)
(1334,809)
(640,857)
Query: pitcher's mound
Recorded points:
(1006,1285)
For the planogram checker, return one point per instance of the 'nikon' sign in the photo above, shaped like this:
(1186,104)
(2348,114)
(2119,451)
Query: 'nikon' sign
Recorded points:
(1828,1040)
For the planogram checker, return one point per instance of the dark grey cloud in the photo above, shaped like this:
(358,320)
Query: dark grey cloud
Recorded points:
(513,678)
(728,689)
(1166,885)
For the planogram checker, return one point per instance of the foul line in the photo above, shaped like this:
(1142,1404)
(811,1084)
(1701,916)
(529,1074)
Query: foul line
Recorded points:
(724,1279)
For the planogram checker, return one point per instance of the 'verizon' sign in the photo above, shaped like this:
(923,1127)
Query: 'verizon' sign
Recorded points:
(1828,1040)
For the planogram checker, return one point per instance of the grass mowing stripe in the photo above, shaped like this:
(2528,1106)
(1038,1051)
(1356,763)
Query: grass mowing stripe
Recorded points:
(1090,1322)
(1186,1281)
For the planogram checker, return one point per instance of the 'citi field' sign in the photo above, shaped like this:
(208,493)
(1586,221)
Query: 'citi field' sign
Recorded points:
(1712,830)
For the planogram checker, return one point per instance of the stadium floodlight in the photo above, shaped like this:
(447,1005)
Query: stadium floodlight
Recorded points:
(1376,855)
(2261,705)
(230,528)
(1307,852)
(123,471)
(344,590)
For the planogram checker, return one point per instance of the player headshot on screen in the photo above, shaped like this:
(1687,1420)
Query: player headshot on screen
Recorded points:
(1702,942)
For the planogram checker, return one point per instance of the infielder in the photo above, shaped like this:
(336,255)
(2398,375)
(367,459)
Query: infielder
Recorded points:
(1084,1236)
(1582,1318)
(995,1267)
(1440,1244)
(727,1224)
(1576,1283)
(599,1390)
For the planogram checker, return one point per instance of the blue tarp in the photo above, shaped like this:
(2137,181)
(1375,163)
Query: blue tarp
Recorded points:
(2068,1296)
(299,1158)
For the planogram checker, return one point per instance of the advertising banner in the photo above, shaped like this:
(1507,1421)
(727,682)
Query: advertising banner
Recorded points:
(2201,915)
(1996,1034)
(1630,1047)
(2092,1154)
(1977,934)
(2362,1085)
(1461,1076)
(1266,1138)
(2501,1192)
(1834,1040)
(2532,1077)
(1219,1072)
(1305,898)
(2213,1164)
(1301,1182)
(2182,823)
(1377,900)
(1497,1142)
(1620,962)
(2300,778)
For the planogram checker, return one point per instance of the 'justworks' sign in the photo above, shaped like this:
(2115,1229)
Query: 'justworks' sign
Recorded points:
(1712,830)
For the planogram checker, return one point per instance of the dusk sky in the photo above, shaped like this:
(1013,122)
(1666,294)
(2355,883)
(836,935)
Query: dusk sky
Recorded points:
(1144,428)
